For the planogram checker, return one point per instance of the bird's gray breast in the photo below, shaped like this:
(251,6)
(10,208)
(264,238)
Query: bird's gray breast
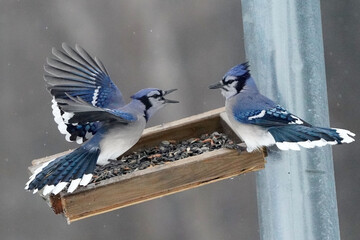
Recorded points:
(254,136)
(119,138)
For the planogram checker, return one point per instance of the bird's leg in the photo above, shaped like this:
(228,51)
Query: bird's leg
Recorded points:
(241,147)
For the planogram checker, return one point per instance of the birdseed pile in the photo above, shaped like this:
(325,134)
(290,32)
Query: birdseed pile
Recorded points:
(167,151)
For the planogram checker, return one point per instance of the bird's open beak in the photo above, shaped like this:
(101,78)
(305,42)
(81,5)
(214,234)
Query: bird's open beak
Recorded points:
(216,85)
(168,92)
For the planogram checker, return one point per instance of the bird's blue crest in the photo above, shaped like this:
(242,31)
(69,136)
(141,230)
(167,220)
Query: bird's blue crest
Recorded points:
(143,92)
(239,70)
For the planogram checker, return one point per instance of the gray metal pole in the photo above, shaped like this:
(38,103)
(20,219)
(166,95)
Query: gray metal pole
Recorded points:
(296,191)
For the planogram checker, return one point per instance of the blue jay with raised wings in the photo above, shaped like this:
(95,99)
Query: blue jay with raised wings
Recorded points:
(90,109)
(260,122)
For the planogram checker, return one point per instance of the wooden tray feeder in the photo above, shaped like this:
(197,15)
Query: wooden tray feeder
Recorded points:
(153,182)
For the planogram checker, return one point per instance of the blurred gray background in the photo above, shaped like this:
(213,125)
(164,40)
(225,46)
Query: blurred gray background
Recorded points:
(169,44)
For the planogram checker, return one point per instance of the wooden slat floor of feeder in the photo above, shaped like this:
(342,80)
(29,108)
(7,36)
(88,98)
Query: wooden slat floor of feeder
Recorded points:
(160,180)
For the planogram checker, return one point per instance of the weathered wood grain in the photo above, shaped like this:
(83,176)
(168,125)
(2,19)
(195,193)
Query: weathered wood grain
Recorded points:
(158,181)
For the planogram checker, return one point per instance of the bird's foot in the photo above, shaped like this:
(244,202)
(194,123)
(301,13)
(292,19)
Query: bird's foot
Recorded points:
(241,147)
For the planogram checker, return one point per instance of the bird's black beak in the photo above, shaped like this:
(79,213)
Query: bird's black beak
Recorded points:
(216,85)
(168,100)
(169,91)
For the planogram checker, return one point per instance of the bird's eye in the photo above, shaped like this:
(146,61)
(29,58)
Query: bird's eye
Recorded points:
(230,81)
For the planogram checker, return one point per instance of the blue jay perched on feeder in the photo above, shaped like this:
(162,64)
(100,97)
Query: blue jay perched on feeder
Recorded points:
(88,105)
(260,122)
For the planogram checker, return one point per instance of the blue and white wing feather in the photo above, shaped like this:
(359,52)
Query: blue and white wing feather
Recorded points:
(74,72)
(290,131)
(81,112)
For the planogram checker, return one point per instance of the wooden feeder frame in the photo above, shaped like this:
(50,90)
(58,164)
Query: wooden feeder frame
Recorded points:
(154,182)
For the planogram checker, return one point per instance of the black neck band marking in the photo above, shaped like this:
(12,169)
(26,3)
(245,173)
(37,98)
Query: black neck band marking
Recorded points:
(241,81)
(145,100)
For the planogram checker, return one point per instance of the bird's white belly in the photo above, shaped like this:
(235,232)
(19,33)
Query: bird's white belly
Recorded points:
(118,140)
(254,136)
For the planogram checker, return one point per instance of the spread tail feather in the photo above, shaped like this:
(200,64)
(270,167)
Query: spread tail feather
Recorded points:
(75,168)
(290,137)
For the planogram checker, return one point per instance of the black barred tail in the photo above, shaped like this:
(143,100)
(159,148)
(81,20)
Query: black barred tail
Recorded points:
(76,167)
(290,137)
